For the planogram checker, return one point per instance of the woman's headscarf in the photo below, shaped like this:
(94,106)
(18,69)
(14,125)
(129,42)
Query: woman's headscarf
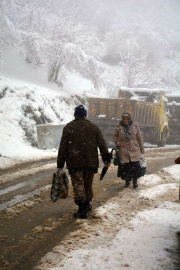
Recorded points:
(127,128)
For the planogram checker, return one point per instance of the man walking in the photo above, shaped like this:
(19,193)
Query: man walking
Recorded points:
(79,149)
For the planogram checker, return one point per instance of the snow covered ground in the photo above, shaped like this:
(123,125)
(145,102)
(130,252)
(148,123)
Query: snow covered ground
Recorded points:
(18,174)
(127,232)
(150,147)
(19,198)
(24,105)
(33,154)
(153,192)
(141,244)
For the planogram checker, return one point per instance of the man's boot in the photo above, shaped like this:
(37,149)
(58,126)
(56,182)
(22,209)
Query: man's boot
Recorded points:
(81,213)
(127,183)
(88,206)
(135,185)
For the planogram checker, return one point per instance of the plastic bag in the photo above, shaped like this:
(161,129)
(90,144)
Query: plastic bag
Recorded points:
(116,157)
(60,186)
(143,164)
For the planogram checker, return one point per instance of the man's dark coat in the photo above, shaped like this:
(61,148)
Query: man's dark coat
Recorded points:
(79,145)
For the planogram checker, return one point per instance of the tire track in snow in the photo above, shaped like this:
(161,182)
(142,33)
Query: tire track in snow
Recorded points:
(19,174)
(20,198)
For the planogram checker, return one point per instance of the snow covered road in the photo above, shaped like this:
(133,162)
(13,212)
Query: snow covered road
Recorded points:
(131,231)
(31,225)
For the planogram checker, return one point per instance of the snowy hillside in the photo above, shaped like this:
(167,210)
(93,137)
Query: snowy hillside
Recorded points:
(43,41)
(24,105)
(54,54)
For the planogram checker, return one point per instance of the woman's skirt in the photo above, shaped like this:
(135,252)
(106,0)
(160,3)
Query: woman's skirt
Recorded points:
(129,170)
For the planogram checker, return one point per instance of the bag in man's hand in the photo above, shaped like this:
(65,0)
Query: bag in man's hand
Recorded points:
(60,186)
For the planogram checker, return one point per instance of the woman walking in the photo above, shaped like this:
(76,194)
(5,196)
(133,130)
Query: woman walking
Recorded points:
(128,138)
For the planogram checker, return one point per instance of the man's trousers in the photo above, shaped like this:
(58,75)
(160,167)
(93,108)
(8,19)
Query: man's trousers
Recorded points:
(82,185)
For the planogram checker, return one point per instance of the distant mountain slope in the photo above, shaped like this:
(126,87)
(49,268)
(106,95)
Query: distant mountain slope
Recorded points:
(56,38)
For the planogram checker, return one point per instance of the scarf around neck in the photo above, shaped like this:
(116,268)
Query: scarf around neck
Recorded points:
(127,129)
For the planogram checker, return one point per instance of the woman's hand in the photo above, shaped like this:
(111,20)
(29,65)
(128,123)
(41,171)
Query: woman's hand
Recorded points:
(119,143)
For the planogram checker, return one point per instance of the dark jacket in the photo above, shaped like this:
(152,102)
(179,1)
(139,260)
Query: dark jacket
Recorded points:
(79,145)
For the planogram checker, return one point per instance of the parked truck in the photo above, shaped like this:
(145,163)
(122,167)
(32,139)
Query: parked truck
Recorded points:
(173,107)
(146,106)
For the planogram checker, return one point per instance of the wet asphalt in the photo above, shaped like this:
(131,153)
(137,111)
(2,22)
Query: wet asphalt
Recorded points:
(22,246)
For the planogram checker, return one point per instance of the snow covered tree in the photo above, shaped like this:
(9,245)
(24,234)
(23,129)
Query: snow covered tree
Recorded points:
(8,34)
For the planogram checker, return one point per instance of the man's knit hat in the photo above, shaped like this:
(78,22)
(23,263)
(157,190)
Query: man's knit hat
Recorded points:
(80,111)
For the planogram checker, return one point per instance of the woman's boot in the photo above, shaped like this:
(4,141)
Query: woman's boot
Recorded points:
(135,185)
(127,183)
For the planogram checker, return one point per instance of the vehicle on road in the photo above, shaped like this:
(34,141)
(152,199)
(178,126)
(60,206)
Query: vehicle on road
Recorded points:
(173,107)
(146,106)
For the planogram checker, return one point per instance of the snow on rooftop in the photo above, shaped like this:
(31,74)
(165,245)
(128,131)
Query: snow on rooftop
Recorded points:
(50,124)
(173,95)
(165,99)
(135,98)
(173,103)
(143,90)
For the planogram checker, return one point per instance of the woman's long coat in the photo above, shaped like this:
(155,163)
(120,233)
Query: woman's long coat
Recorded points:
(129,150)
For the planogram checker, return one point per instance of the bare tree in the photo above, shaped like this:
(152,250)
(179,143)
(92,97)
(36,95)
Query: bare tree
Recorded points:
(54,69)
(57,59)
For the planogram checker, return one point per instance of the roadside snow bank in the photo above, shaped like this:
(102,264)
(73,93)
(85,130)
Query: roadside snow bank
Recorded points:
(153,233)
(22,106)
(155,148)
(153,192)
(150,179)
(33,154)
(174,171)
(164,175)
(8,177)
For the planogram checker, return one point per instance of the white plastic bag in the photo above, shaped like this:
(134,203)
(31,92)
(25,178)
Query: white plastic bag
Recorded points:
(143,162)
(143,165)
